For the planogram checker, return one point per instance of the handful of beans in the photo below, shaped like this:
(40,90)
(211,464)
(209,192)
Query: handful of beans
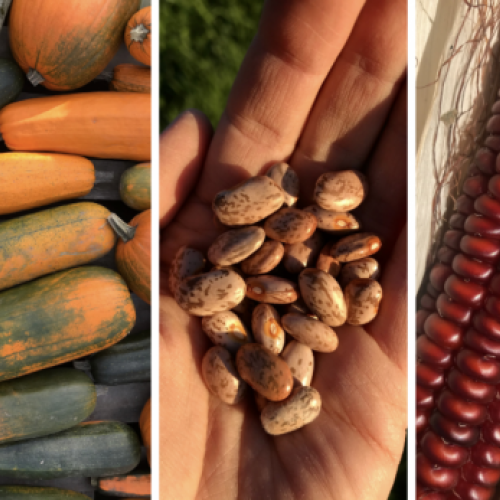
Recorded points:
(279,270)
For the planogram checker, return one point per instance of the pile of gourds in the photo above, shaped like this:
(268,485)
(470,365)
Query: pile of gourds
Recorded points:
(55,309)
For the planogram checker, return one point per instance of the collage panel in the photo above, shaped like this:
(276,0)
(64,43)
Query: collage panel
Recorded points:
(75,231)
(283,250)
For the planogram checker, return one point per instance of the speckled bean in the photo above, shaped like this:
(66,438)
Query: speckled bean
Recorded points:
(290,225)
(323,296)
(187,262)
(301,255)
(355,247)
(265,259)
(363,298)
(334,222)
(236,245)
(271,289)
(226,329)
(221,377)
(300,409)
(212,292)
(300,358)
(287,180)
(340,191)
(266,328)
(248,202)
(311,332)
(327,263)
(366,268)
(266,372)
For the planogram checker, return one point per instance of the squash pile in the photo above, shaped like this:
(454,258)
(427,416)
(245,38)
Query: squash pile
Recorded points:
(65,320)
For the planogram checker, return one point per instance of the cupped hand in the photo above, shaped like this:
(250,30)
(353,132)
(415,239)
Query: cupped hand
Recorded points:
(323,87)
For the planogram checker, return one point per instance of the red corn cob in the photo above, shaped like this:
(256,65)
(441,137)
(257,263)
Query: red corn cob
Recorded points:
(458,345)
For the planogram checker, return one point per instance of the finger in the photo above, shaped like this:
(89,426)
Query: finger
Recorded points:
(357,96)
(183,146)
(296,45)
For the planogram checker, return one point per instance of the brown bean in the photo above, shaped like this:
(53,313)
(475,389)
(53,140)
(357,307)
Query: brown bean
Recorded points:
(311,332)
(300,358)
(187,262)
(341,191)
(300,409)
(265,259)
(226,329)
(271,289)
(266,328)
(287,180)
(327,263)
(363,268)
(355,247)
(212,292)
(334,222)
(236,245)
(323,296)
(248,202)
(221,377)
(363,298)
(298,256)
(290,225)
(267,373)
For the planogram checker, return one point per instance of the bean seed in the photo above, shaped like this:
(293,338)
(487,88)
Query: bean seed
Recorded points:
(327,263)
(248,202)
(300,409)
(333,222)
(363,298)
(212,292)
(271,289)
(340,191)
(300,358)
(311,332)
(266,328)
(355,247)
(290,225)
(266,372)
(363,268)
(298,256)
(221,377)
(226,329)
(234,246)
(287,180)
(187,262)
(323,296)
(265,259)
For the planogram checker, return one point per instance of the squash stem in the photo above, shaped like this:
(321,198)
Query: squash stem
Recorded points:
(121,228)
(139,33)
(34,77)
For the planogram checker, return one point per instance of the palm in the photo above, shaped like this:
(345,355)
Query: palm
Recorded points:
(209,450)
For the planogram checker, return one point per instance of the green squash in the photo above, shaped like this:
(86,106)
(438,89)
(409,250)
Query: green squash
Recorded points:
(38,493)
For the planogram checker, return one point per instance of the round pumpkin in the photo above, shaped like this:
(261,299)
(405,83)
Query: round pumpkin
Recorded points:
(135,186)
(145,427)
(65,45)
(138,36)
(133,252)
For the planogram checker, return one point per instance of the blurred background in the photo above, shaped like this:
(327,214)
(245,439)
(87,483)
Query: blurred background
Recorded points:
(202,45)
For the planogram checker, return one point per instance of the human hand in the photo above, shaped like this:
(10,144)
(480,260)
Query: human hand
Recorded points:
(322,87)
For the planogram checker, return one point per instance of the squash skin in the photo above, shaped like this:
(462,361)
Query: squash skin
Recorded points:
(88,449)
(44,403)
(145,427)
(135,187)
(38,493)
(112,125)
(62,317)
(126,362)
(29,180)
(132,486)
(51,240)
(131,78)
(68,46)
(11,81)
(140,50)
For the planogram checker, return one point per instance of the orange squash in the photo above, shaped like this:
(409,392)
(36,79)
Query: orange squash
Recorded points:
(136,485)
(135,186)
(30,180)
(145,427)
(64,45)
(97,124)
(138,36)
(131,78)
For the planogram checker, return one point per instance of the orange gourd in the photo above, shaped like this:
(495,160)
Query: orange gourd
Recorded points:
(138,36)
(133,252)
(97,124)
(145,427)
(65,45)
(138,485)
(131,78)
